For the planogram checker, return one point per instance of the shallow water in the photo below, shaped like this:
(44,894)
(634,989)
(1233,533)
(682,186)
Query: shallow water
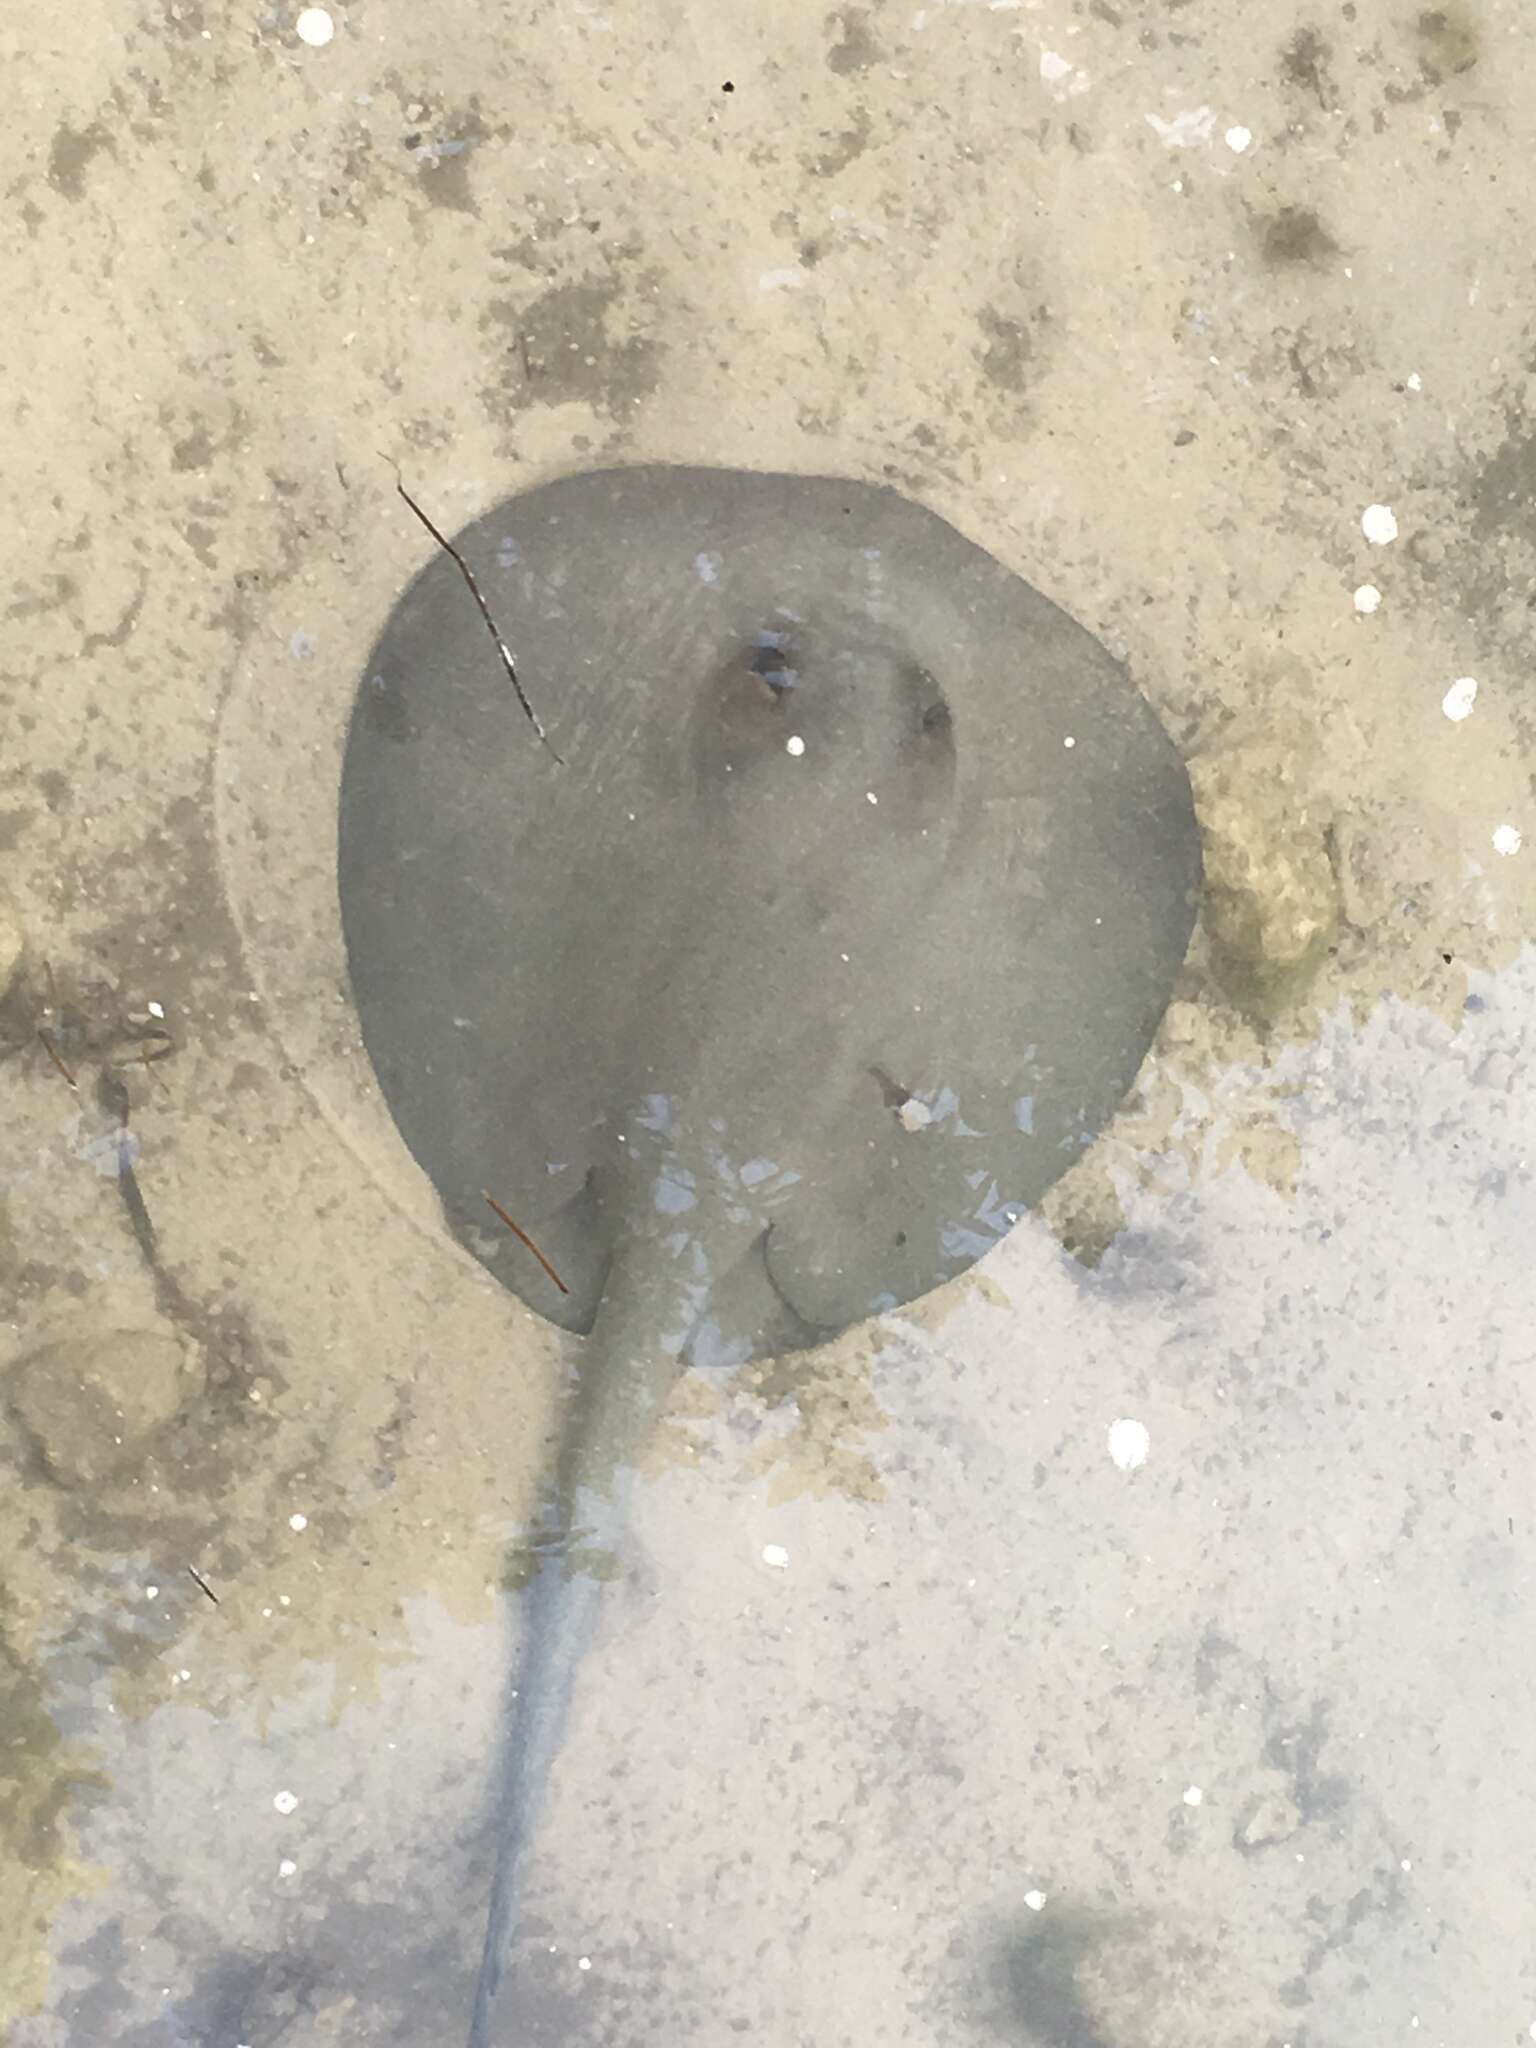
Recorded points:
(1178,315)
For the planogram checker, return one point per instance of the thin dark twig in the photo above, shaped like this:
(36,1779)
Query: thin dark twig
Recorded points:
(522,1236)
(502,649)
(45,1040)
(192,1568)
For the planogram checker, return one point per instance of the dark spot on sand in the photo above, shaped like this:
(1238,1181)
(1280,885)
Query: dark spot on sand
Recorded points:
(71,154)
(856,48)
(1293,235)
(1304,64)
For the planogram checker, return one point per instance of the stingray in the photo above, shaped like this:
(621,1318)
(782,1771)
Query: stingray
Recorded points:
(831,924)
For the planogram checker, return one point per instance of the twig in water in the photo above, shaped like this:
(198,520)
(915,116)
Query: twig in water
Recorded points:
(45,1040)
(522,1236)
(467,573)
(196,1574)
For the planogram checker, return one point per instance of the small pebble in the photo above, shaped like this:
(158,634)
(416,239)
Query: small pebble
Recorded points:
(776,1555)
(1272,1818)
(287,1867)
(794,745)
(297,1523)
(1379,525)
(1459,698)
(1237,139)
(1507,839)
(1194,1796)
(1035,1901)
(315,27)
(1367,599)
(285,1802)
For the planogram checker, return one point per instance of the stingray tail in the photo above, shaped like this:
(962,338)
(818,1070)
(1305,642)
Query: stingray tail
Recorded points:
(626,1374)
(561,1608)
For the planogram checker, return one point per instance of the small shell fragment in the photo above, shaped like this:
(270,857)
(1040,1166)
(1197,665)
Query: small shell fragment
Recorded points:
(1129,1443)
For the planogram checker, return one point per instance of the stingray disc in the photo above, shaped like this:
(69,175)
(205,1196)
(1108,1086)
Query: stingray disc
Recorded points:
(842,930)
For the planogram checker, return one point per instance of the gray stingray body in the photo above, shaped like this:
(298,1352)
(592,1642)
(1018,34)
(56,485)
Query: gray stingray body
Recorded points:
(841,932)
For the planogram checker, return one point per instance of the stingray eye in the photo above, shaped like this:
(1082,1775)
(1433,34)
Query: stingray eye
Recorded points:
(750,714)
(773,661)
(926,704)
